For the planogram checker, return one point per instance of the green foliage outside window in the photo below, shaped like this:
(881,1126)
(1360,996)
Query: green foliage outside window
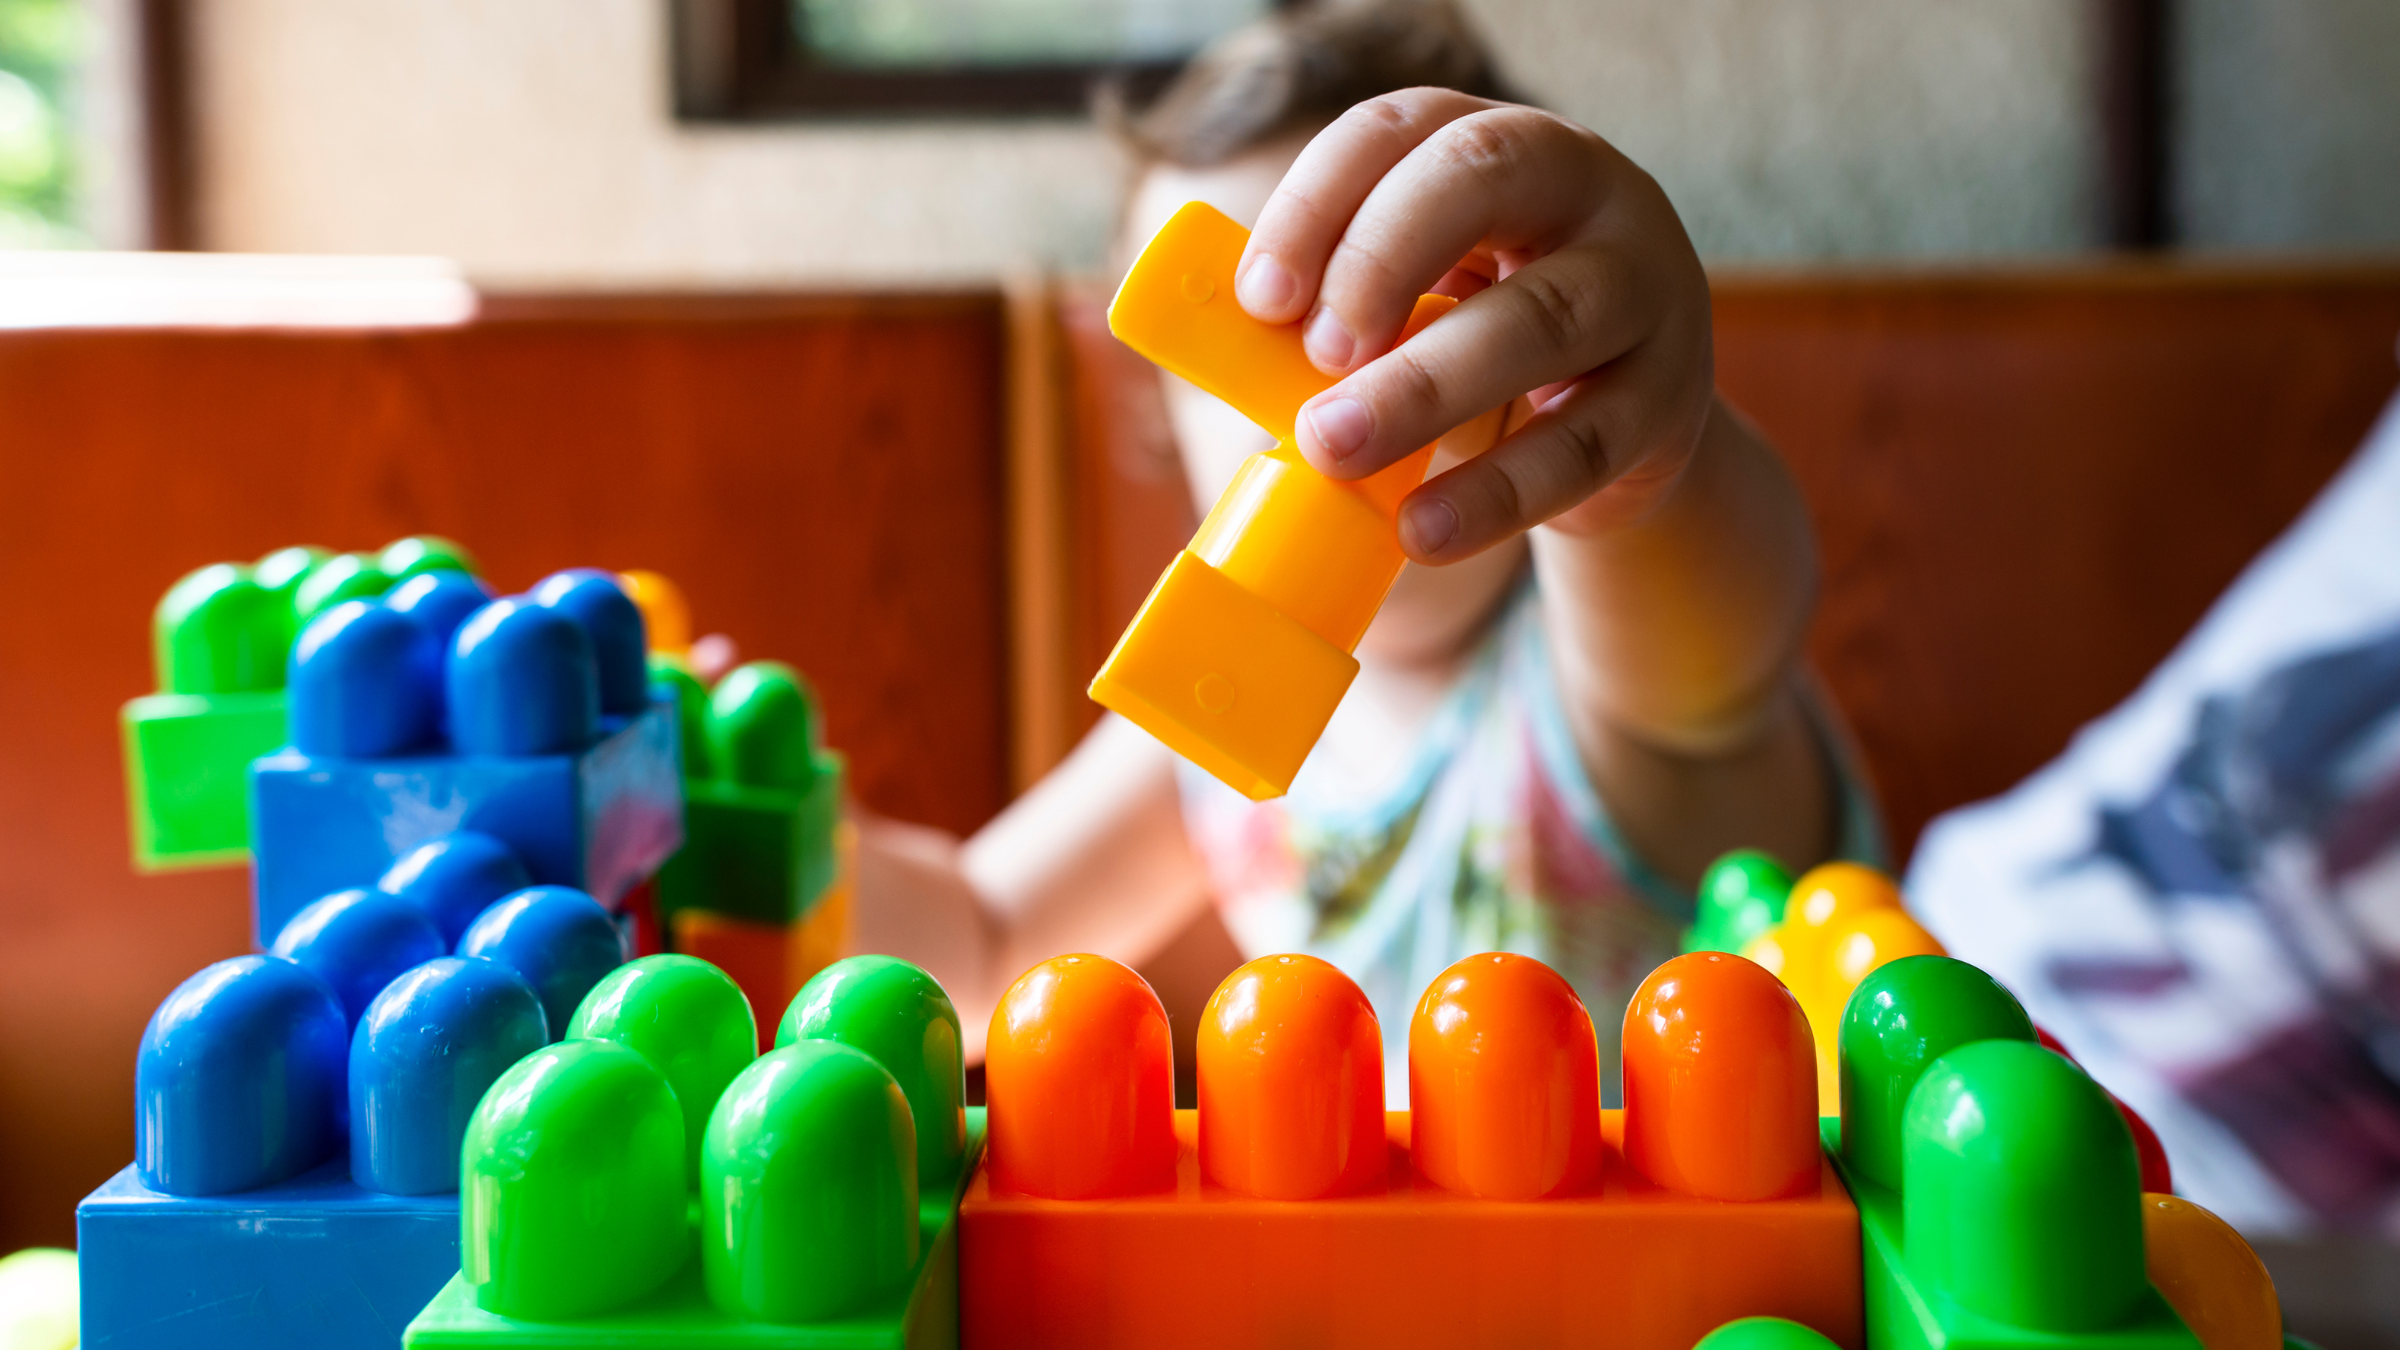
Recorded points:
(39,43)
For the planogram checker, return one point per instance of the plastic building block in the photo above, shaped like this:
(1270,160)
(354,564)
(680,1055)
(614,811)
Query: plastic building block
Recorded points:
(651,1181)
(454,878)
(1841,921)
(245,1221)
(221,636)
(555,937)
(357,942)
(1763,1333)
(1508,1209)
(762,802)
(1998,1196)
(1741,897)
(37,1299)
(220,639)
(2204,1269)
(1242,651)
(665,613)
(771,962)
(2157,1175)
(398,739)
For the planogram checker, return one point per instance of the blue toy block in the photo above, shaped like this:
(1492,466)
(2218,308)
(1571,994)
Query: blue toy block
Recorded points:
(243,1221)
(398,739)
(311,1263)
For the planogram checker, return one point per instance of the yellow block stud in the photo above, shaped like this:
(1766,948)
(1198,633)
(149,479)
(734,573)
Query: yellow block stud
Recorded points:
(1240,655)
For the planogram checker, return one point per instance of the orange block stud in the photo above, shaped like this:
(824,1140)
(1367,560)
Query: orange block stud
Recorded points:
(1079,1083)
(1720,1082)
(1290,1065)
(1504,1082)
(2217,1285)
(665,615)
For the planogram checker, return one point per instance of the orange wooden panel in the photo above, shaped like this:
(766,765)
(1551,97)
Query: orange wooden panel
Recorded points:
(821,476)
(1631,1264)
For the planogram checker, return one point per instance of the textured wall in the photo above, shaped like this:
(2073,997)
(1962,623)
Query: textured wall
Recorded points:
(2287,124)
(531,138)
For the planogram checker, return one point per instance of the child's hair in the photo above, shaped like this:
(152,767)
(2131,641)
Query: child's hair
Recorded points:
(1301,67)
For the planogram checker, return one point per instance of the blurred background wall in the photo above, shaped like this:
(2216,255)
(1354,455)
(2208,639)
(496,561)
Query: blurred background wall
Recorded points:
(534,141)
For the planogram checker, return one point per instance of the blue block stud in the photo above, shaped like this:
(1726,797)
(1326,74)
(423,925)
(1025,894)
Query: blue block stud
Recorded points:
(557,937)
(522,682)
(361,683)
(357,942)
(429,1046)
(454,878)
(439,601)
(238,1083)
(619,645)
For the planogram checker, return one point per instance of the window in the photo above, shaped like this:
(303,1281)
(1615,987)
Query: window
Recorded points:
(749,59)
(38,41)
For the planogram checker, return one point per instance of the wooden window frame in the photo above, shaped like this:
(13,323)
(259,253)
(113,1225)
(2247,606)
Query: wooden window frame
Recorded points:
(739,61)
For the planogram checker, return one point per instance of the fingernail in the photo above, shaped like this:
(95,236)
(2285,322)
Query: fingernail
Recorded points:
(1340,426)
(1327,342)
(1426,526)
(1264,287)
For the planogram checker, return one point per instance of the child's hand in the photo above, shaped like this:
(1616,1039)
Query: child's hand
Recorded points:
(1585,295)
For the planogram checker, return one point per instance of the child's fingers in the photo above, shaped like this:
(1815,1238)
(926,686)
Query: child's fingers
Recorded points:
(1506,179)
(1276,279)
(1549,321)
(1601,428)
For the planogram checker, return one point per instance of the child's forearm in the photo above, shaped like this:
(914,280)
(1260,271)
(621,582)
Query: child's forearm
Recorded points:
(1675,639)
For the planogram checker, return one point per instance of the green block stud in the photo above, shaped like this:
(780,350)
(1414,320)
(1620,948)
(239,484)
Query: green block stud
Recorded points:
(688,1018)
(897,1013)
(347,576)
(762,799)
(2015,1223)
(806,1226)
(1741,896)
(808,1187)
(1764,1333)
(1901,1018)
(405,558)
(572,1198)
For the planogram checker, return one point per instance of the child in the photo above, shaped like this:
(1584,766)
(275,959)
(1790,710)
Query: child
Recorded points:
(1585,685)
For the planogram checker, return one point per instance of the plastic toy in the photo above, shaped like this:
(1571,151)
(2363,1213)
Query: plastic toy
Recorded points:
(1242,651)
(1998,1193)
(665,614)
(221,635)
(650,1181)
(533,724)
(246,1219)
(762,801)
(1841,921)
(1741,897)
(1509,1208)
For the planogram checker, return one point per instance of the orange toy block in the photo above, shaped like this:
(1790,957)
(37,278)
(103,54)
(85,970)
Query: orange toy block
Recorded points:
(1379,1254)
(1242,651)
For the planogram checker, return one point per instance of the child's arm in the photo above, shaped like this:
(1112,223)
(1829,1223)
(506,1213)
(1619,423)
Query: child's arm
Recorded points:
(1676,560)
(1091,858)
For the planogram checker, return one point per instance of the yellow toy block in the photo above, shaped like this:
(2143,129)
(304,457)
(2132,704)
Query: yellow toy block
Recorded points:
(1240,655)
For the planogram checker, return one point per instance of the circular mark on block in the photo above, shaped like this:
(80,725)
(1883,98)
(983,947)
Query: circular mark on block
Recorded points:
(1197,288)
(1214,691)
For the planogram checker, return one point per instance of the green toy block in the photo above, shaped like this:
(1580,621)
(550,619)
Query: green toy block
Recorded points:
(1999,1199)
(760,812)
(1741,896)
(588,1221)
(220,641)
(187,758)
